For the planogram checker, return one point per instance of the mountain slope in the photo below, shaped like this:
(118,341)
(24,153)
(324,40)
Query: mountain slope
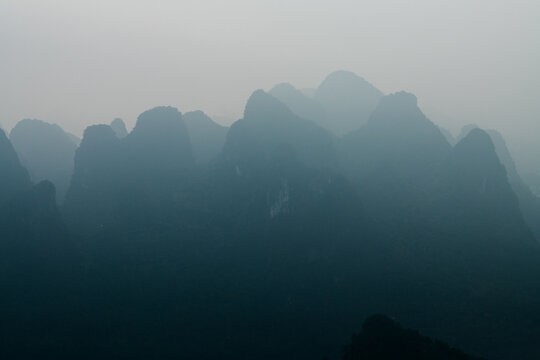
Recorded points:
(207,137)
(348,101)
(14,177)
(303,106)
(46,151)
(529,202)
(119,128)
(135,179)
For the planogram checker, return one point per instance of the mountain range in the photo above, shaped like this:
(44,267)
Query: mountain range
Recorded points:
(273,238)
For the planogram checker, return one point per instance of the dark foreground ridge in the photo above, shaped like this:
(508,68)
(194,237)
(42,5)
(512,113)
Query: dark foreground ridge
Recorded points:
(382,338)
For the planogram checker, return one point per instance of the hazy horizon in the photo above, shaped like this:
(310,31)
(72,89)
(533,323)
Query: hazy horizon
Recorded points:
(78,63)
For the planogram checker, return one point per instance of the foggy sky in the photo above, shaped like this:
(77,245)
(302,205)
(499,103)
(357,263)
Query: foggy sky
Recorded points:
(77,63)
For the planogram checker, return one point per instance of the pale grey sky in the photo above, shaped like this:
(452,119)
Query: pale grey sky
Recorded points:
(77,63)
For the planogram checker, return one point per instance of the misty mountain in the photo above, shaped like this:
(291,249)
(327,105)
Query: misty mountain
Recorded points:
(342,103)
(119,128)
(14,177)
(465,130)
(95,180)
(348,101)
(276,223)
(381,338)
(300,104)
(269,126)
(445,213)
(284,242)
(528,201)
(40,276)
(275,165)
(46,151)
(482,180)
(33,231)
(309,92)
(398,152)
(138,176)
(207,137)
(38,265)
(159,142)
(74,138)
(448,136)
(412,179)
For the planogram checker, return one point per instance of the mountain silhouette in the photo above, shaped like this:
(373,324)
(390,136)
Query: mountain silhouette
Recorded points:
(444,213)
(74,138)
(95,180)
(14,177)
(40,273)
(160,142)
(121,179)
(448,136)
(528,201)
(272,158)
(269,125)
(309,92)
(400,161)
(207,137)
(33,227)
(465,130)
(275,244)
(382,338)
(348,101)
(397,143)
(479,166)
(300,104)
(46,151)
(119,128)
(482,180)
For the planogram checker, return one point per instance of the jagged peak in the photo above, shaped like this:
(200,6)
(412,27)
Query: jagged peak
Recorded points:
(26,124)
(400,109)
(96,136)
(465,131)
(157,115)
(118,121)
(283,87)
(347,78)
(477,140)
(497,143)
(401,99)
(119,127)
(13,177)
(344,75)
(98,132)
(7,151)
(199,117)
(197,113)
(262,105)
(3,136)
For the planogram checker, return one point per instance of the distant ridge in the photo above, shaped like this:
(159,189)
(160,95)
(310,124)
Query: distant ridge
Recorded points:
(348,101)
(47,151)
(382,338)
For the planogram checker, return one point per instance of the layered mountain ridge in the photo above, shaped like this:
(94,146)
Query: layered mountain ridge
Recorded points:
(273,238)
